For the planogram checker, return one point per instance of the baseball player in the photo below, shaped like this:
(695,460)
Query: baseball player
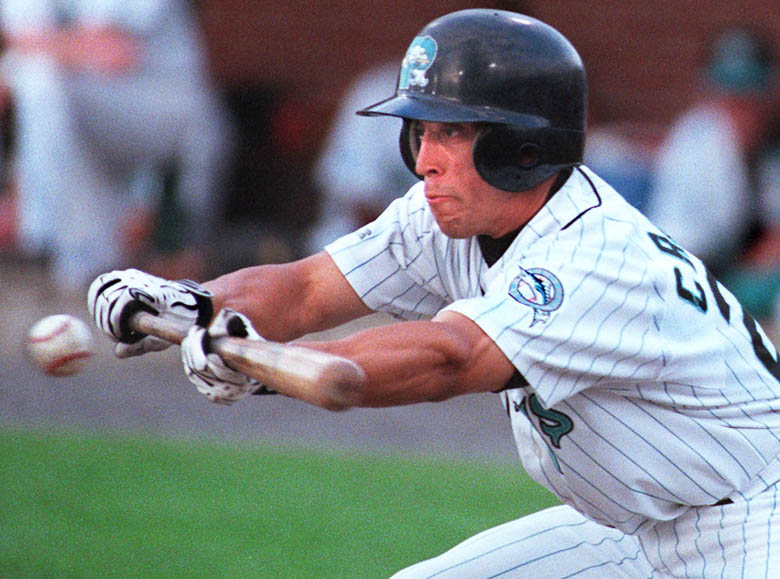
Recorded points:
(109,96)
(639,390)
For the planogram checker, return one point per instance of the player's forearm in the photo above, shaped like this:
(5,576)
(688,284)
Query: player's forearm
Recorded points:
(290,300)
(262,293)
(410,362)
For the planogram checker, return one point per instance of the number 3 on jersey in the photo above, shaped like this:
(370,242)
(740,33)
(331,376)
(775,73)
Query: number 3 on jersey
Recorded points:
(690,290)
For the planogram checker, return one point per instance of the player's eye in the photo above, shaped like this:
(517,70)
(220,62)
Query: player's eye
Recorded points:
(416,131)
(451,131)
(437,132)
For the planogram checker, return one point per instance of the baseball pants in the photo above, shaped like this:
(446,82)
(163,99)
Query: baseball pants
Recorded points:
(740,539)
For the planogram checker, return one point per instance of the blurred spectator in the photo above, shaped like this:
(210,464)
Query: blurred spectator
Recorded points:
(755,278)
(271,200)
(705,188)
(7,194)
(359,171)
(622,154)
(113,106)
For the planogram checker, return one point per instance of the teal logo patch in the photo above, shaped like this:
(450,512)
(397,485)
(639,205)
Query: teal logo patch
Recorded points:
(419,58)
(538,289)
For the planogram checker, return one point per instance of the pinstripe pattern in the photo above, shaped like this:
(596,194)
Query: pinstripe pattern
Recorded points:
(647,391)
(557,542)
(735,540)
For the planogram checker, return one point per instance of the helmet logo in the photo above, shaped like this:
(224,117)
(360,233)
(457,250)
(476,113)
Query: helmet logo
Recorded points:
(419,58)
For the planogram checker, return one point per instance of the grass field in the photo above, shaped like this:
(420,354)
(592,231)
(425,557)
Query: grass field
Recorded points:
(77,504)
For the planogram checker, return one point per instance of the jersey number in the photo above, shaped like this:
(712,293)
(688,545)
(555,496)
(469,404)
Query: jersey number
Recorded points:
(693,293)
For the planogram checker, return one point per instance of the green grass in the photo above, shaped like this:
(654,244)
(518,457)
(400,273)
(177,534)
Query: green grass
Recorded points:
(77,504)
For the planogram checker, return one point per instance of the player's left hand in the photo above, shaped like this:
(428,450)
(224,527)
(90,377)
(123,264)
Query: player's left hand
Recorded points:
(210,374)
(115,296)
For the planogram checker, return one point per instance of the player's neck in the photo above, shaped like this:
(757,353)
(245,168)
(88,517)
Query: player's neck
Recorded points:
(525,204)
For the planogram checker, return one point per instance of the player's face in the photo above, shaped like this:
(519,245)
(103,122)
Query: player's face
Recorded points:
(462,203)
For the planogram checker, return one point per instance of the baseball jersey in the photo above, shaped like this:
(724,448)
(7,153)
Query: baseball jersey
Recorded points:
(646,388)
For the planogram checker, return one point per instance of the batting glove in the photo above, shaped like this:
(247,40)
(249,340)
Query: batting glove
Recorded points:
(115,296)
(210,374)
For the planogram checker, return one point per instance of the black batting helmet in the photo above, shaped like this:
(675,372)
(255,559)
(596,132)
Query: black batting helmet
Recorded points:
(519,76)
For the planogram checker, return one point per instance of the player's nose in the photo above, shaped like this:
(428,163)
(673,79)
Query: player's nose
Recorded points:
(429,160)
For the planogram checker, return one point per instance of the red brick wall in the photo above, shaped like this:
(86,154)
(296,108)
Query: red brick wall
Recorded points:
(641,55)
(313,46)
(309,49)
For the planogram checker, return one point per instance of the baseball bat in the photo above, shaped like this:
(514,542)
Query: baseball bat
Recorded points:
(317,377)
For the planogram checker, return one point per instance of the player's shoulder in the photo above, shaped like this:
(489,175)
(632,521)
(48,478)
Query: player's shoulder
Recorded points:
(588,223)
(588,202)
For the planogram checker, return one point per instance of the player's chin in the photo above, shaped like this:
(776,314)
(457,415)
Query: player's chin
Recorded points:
(453,228)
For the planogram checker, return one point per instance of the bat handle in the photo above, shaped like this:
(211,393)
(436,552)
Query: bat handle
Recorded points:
(316,377)
(169,329)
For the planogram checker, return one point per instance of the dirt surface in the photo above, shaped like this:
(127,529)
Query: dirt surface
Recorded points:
(151,394)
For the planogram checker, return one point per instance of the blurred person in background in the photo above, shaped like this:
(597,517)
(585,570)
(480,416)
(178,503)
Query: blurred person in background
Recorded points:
(7,196)
(755,276)
(111,99)
(358,171)
(706,191)
(621,151)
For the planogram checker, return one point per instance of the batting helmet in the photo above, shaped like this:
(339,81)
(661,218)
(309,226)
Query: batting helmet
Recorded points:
(519,76)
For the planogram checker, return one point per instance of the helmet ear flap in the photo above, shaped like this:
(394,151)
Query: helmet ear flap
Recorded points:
(515,159)
(509,158)
(409,143)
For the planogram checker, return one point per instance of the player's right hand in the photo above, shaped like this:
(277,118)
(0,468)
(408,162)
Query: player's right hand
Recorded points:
(115,296)
(211,375)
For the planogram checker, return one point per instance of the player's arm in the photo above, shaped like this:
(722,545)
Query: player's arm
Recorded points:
(424,361)
(405,362)
(290,300)
(283,302)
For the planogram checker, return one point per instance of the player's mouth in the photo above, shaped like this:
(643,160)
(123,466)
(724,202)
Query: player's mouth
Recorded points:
(437,198)
(442,206)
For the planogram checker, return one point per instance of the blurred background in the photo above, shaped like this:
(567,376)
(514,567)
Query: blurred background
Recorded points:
(283,70)
(293,167)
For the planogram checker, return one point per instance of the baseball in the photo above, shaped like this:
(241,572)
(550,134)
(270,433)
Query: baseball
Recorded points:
(60,344)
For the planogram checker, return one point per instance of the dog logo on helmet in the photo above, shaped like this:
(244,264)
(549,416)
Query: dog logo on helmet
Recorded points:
(538,289)
(419,58)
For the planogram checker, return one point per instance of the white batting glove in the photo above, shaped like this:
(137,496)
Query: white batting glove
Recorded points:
(115,296)
(210,374)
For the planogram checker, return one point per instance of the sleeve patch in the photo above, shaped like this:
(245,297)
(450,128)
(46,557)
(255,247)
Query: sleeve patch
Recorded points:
(538,289)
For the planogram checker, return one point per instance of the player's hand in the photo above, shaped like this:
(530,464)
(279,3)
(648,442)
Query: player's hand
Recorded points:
(210,374)
(115,296)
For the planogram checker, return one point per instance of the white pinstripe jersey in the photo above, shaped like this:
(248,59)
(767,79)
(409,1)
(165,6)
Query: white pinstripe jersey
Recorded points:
(648,387)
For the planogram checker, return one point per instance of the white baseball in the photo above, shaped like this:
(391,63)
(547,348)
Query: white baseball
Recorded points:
(60,344)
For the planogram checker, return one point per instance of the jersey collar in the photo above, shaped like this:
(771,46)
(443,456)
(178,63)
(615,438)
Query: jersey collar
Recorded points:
(493,248)
(576,198)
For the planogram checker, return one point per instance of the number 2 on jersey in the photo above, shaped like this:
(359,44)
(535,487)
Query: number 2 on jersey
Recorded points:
(693,292)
